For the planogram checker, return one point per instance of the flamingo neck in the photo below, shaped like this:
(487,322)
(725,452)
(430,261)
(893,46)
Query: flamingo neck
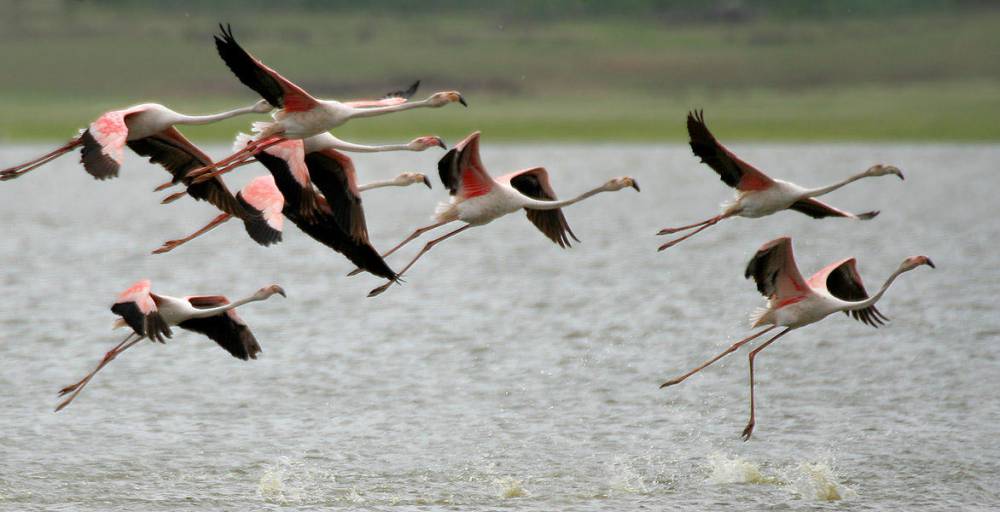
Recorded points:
(870,301)
(535,204)
(379,111)
(207,312)
(212,118)
(380,184)
(815,192)
(331,142)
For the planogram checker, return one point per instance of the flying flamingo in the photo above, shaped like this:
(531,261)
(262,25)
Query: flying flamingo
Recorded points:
(758,195)
(262,195)
(477,199)
(340,221)
(300,115)
(794,302)
(150,316)
(148,129)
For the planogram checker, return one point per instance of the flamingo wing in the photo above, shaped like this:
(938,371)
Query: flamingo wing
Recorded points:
(262,199)
(534,183)
(774,270)
(104,145)
(389,99)
(734,172)
(276,89)
(843,282)
(818,210)
(462,171)
(175,153)
(227,329)
(137,306)
(333,174)
(324,227)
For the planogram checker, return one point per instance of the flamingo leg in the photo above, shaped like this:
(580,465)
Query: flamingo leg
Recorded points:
(413,236)
(164,186)
(177,195)
(17,170)
(733,347)
(75,389)
(233,161)
(668,231)
(426,248)
(170,245)
(753,353)
(705,225)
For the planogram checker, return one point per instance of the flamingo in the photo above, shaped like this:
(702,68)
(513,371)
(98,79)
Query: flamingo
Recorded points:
(793,302)
(758,195)
(263,196)
(477,199)
(151,315)
(300,115)
(148,129)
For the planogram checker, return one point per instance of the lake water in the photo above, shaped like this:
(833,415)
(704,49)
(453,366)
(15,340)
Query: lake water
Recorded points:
(508,373)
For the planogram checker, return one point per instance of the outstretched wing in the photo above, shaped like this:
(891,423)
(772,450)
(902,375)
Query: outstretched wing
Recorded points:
(137,306)
(227,329)
(534,183)
(263,203)
(104,145)
(333,174)
(276,89)
(389,99)
(734,172)
(843,282)
(462,171)
(818,210)
(774,270)
(178,155)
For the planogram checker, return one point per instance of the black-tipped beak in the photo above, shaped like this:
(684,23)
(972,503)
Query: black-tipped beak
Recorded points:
(635,185)
(441,143)
(900,174)
(280,291)
(930,263)
(462,101)
(427,182)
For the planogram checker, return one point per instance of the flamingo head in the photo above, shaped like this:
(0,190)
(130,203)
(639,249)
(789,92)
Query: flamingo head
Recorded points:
(440,99)
(882,170)
(267,291)
(261,107)
(409,178)
(621,182)
(422,143)
(915,261)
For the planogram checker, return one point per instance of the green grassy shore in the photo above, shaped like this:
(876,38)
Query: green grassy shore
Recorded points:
(915,78)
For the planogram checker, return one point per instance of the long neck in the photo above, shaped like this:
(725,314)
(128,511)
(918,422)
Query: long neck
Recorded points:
(380,184)
(363,148)
(878,295)
(207,312)
(211,118)
(379,111)
(536,204)
(815,192)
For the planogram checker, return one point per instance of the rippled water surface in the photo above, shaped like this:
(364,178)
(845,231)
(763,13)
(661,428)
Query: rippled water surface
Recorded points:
(508,373)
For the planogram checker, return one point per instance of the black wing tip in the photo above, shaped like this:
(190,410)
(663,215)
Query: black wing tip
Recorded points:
(411,90)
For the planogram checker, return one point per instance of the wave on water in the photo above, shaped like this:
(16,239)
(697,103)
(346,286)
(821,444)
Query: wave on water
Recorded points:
(820,481)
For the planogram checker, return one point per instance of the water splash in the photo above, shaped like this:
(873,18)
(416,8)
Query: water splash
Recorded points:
(819,480)
(625,479)
(509,487)
(724,469)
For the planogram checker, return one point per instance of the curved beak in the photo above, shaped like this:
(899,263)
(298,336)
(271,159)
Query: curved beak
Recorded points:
(279,290)
(635,185)
(441,144)
(900,174)
(427,182)
(930,263)
(462,101)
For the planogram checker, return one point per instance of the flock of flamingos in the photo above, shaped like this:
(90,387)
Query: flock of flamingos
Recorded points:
(314,185)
